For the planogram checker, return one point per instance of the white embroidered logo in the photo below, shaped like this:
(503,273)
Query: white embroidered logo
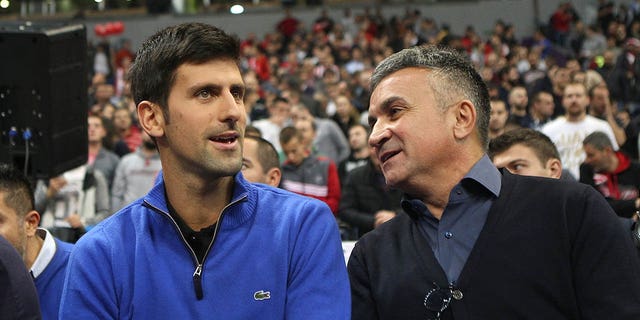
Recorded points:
(262,295)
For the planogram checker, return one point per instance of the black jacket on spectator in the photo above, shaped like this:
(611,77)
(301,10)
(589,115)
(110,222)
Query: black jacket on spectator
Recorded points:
(363,194)
(621,188)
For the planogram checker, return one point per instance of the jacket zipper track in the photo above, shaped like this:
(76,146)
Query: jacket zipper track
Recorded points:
(197,274)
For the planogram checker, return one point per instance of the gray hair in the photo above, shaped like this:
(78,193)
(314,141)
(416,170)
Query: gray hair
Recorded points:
(452,75)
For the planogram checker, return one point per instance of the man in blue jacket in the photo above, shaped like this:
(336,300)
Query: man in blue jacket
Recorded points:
(44,256)
(205,243)
(475,243)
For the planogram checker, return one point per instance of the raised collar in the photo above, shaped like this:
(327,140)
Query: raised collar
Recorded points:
(46,254)
(234,214)
(483,173)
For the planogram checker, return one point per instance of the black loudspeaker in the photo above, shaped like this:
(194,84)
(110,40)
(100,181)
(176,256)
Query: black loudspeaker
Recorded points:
(43,97)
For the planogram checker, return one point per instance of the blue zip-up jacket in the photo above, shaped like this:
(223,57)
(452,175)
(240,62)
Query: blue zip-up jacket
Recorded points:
(275,255)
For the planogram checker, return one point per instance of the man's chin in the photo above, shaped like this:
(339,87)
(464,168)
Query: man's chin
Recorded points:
(390,179)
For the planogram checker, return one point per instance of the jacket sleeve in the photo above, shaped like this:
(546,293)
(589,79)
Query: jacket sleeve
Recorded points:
(362,305)
(333,196)
(318,283)
(349,210)
(606,267)
(118,189)
(89,291)
(102,199)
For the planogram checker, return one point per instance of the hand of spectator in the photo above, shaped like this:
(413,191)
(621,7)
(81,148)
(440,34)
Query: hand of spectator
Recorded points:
(74,220)
(55,184)
(383,216)
(623,118)
(609,110)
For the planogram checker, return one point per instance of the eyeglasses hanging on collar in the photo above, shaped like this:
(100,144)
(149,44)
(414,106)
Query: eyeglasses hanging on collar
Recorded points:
(438,299)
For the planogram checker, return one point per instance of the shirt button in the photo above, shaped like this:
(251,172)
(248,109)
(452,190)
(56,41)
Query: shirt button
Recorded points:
(448,235)
(457,294)
(458,192)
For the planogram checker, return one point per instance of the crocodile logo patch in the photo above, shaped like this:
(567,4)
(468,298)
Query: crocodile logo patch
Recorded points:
(262,295)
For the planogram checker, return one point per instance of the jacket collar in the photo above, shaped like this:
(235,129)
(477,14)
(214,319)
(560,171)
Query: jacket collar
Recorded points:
(240,208)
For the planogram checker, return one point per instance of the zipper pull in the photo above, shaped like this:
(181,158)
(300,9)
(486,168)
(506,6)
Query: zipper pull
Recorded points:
(197,282)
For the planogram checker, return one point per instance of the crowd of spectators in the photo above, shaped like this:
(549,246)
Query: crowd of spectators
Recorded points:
(320,69)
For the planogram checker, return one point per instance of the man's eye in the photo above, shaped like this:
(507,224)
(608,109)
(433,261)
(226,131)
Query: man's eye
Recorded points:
(237,94)
(204,94)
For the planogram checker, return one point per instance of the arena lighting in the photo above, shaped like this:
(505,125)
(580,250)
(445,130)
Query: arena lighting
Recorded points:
(4,4)
(236,9)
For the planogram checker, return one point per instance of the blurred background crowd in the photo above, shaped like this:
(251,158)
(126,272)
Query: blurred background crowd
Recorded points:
(313,75)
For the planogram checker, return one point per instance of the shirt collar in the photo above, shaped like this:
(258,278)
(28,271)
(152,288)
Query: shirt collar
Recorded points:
(483,172)
(46,253)
(486,174)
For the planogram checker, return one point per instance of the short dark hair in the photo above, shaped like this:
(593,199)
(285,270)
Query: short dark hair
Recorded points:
(17,189)
(280,99)
(538,96)
(599,140)
(593,89)
(267,154)
(537,141)
(289,133)
(152,73)
(454,76)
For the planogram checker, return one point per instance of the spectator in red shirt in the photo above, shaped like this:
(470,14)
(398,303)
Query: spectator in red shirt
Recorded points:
(129,133)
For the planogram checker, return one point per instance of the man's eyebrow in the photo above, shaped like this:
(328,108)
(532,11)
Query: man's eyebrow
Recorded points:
(384,107)
(517,160)
(238,86)
(386,104)
(204,85)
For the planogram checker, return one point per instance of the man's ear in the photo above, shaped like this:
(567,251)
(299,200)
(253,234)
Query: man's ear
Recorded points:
(466,115)
(273,177)
(555,168)
(31,222)
(151,118)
